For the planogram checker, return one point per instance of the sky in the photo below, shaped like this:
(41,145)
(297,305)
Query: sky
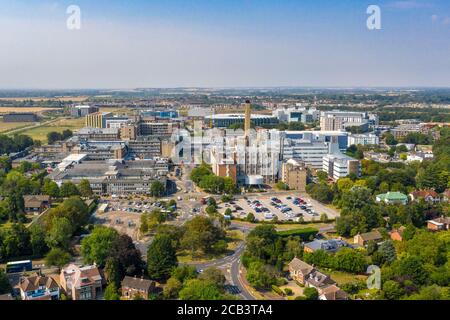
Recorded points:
(223,43)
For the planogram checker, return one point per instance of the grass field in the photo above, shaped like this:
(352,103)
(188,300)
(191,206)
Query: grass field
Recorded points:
(40,133)
(25,109)
(75,99)
(345,277)
(6,126)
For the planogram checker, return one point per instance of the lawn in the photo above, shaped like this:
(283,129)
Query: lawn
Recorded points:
(7,126)
(345,277)
(40,133)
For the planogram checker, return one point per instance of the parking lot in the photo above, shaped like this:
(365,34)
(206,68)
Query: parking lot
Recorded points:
(124,222)
(288,207)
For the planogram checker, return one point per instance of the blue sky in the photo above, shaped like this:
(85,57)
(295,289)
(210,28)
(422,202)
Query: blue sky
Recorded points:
(223,43)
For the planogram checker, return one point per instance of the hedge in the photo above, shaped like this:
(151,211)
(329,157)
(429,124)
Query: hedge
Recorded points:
(304,233)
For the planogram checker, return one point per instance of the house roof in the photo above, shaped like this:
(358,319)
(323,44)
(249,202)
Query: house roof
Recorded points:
(299,265)
(440,221)
(327,245)
(424,194)
(35,200)
(137,283)
(374,235)
(446,193)
(34,282)
(333,292)
(319,279)
(81,276)
(392,196)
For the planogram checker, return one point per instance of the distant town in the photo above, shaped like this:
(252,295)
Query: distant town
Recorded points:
(225,194)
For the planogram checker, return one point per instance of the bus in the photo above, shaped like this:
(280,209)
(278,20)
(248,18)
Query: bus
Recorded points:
(19,266)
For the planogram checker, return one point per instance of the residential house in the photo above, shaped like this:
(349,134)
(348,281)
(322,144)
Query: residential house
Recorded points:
(310,277)
(299,270)
(82,282)
(439,224)
(363,239)
(446,195)
(35,204)
(38,288)
(330,245)
(430,196)
(318,280)
(333,292)
(392,198)
(132,287)
(397,234)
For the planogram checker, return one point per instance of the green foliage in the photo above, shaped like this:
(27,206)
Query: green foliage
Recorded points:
(261,276)
(157,189)
(304,233)
(311,294)
(85,188)
(201,235)
(161,258)
(281,186)
(205,179)
(320,192)
(111,292)
(214,275)
(96,246)
(197,289)
(392,290)
(57,257)
(172,288)
(69,189)
(5,287)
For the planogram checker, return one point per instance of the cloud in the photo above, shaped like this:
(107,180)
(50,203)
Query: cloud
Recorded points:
(409,4)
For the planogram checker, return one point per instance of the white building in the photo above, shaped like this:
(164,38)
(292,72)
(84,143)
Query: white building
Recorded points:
(296,114)
(363,139)
(340,120)
(338,165)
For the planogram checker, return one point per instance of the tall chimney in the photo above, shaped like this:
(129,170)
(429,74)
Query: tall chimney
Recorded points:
(248,116)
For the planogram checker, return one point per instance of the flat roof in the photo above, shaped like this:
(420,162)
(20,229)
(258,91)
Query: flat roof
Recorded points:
(238,116)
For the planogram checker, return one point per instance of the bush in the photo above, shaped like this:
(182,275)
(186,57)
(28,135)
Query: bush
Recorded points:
(288,291)
(277,290)
(304,233)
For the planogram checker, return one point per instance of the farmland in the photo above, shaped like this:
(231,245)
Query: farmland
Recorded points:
(40,132)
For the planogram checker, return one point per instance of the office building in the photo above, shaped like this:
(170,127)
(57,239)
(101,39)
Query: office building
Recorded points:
(20,117)
(296,114)
(338,165)
(97,119)
(363,139)
(294,173)
(341,120)
(82,111)
(226,120)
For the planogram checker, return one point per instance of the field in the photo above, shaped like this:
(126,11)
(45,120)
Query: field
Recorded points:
(40,133)
(25,109)
(7,126)
(75,99)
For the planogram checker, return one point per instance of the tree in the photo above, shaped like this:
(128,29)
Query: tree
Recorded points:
(387,251)
(60,233)
(281,186)
(161,258)
(250,217)
(322,176)
(390,139)
(201,234)
(50,188)
(392,290)
(111,292)
(350,260)
(214,275)
(53,137)
(5,287)
(69,189)
(261,276)
(85,189)
(37,239)
(127,255)
(172,288)
(157,189)
(57,257)
(112,271)
(197,289)
(184,272)
(411,268)
(311,294)
(96,246)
